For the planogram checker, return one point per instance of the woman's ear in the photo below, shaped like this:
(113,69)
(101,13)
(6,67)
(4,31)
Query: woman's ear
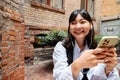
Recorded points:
(91,27)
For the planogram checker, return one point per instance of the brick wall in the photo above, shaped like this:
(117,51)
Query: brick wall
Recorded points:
(45,18)
(12,32)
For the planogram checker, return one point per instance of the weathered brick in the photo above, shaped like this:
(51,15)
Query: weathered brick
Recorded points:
(4,50)
(17,72)
(11,54)
(4,38)
(4,62)
(12,38)
(4,44)
(22,42)
(22,77)
(7,1)
(16,18)
(12,76)
(8,10)
(11,59)
(15,4)
(22,64)
(22,70)
(16,14)
(17,1)
(13,33)
(1,7)
(16,43)
(5,78)
(12,48)
(4,56)
(13,28)
(22,58)
(18,38)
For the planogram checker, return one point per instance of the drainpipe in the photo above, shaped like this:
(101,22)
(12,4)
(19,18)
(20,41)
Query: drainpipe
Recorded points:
(86,4)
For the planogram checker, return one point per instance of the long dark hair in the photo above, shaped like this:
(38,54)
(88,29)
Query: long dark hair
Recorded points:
(69,42)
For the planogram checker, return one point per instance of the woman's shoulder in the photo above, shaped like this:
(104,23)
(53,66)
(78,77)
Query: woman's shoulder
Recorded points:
(59,46)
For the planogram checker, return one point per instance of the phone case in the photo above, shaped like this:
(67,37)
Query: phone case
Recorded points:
(108,41)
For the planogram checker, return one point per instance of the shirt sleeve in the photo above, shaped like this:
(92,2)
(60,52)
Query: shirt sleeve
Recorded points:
(98,73)
(61,71)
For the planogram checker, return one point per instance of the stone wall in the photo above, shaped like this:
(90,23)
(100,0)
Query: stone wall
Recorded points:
(12,40)
(43,54)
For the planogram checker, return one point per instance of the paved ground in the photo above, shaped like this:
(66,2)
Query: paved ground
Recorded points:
(42,71)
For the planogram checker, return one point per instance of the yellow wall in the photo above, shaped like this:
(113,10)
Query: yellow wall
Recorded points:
(110,8)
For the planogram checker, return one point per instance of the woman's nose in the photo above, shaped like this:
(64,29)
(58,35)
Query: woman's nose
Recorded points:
(78,25)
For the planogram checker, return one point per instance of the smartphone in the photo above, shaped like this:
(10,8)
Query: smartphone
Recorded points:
(108,41)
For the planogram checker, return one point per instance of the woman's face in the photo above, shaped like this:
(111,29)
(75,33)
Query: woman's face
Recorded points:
(80,27)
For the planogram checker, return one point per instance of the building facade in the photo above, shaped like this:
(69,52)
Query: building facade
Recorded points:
(110,20)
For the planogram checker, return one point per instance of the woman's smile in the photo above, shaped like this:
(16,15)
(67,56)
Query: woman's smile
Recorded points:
(79,31)
(79,27)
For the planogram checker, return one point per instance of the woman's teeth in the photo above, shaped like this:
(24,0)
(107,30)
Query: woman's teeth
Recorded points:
(78,32)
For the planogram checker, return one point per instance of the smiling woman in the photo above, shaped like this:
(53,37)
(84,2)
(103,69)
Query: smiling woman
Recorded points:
(78,58)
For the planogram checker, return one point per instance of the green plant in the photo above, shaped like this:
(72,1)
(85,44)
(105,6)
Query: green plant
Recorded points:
(54,36)
(51,38)
(98,37)
(118,46)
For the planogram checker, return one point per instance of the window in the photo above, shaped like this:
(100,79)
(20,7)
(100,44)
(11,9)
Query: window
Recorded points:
(83,4)
(54,5)
(118,1)
(89,6)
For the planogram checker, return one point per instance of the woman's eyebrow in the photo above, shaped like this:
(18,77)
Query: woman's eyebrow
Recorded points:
(81,19)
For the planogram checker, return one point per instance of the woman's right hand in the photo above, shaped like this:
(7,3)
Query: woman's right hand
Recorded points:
(88,59)
(91,58)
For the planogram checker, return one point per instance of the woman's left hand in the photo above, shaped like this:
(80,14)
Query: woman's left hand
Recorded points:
(110,60)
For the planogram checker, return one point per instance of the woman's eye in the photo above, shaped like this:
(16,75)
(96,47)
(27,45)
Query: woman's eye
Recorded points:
(83,22)
(73,23)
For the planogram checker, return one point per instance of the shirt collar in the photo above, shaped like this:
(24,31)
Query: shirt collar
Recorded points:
(78,49)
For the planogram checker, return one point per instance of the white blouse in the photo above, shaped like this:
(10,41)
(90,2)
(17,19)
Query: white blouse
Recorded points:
(62,71)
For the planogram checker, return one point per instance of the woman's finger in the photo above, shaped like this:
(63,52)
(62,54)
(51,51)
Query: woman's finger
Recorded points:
(100,50)
(100,56)
(111,54)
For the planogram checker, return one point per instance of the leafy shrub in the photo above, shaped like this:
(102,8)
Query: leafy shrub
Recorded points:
(118,46)
(98,37)
(51,38)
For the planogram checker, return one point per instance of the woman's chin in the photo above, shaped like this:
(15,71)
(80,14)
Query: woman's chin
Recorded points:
(79,36)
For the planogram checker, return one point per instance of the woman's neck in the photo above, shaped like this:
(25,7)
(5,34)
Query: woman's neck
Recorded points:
(80,43)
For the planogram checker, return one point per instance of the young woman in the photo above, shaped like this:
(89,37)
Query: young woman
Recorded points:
(78,58)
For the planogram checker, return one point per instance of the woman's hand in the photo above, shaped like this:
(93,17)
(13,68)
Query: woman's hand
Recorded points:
(88,59)
(110,60)
(91,58)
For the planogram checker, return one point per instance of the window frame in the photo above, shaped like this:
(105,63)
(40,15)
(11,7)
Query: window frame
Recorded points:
(86,6)
(48,7)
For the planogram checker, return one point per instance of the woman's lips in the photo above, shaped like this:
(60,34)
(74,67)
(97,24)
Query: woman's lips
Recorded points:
(78,32)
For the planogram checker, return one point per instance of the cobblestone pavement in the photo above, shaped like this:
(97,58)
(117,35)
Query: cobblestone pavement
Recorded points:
(41,71)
